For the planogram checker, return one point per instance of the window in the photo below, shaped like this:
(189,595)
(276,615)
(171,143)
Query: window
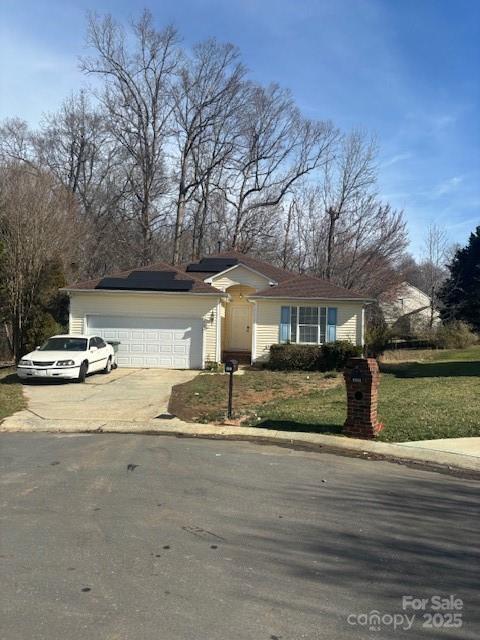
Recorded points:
(308,324)
(100,343)
(65,344)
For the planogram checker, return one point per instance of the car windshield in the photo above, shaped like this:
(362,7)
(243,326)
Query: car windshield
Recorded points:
(65,344)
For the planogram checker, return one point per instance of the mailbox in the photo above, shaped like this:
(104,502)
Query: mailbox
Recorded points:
(362,378)
(231,366)
(356,375)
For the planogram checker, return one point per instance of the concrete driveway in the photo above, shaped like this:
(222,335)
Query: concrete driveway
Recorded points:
(130,395)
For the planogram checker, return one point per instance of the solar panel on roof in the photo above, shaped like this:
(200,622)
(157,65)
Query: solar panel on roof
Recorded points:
(146,281)
(212,265)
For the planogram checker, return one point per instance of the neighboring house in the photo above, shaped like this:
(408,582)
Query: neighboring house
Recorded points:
(407,306)
(223,305)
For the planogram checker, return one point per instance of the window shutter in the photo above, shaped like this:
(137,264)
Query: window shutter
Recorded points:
(332,324)
(285,324)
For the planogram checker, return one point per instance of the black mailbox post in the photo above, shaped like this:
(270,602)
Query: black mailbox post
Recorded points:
(230,367)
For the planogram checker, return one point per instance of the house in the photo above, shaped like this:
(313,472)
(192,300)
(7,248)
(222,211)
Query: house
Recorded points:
(223,305)
(407,308)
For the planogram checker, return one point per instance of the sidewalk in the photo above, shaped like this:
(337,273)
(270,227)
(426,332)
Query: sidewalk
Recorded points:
(458,453)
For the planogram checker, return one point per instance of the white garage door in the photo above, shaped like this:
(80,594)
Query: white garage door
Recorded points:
(170,343)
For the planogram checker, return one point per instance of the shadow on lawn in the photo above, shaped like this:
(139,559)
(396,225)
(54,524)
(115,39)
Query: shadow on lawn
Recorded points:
(432,369)
(11,378)
(287,425)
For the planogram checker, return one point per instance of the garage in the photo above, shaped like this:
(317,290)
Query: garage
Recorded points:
(170,343)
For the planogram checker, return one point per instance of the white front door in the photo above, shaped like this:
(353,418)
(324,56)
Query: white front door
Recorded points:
(163,343)
(239,329)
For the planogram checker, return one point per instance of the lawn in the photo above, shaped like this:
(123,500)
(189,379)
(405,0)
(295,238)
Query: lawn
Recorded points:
(11,394)
(423,396)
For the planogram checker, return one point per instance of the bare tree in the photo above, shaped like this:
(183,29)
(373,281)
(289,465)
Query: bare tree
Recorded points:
(17,142)
(36,225)
(276,148)
(349,175)
(373,242)
(206,98)
(433,267)
(137,98)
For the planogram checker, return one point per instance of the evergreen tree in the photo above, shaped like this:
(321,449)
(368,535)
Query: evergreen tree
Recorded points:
(461,292)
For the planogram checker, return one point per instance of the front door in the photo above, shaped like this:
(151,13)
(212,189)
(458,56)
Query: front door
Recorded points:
(239,330)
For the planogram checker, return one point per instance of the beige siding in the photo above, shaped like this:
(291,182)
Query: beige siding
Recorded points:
(349,322)
(240,275)
(76,325)
(405,300)
(83,304)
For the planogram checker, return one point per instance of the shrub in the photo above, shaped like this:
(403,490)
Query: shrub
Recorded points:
(454,335)
(336,354)
(377,339)
(213,367)
(377,333)
(288,357)
(305,357)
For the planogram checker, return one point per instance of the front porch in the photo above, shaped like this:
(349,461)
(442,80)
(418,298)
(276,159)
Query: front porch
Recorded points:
(242,357)
(237,325)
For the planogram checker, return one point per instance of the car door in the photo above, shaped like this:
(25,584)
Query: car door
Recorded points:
(94,356)
(103,352)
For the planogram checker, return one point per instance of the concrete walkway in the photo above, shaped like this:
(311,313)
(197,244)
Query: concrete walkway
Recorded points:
(461,446)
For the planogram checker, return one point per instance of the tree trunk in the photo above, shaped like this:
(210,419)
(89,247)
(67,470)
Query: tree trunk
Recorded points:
(287,235)
(331,240)
(178,225)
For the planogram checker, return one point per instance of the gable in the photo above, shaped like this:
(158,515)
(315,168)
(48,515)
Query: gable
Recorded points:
(239,274)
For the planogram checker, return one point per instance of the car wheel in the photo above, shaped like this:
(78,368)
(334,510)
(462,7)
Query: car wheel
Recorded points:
(108,366)
(82,374)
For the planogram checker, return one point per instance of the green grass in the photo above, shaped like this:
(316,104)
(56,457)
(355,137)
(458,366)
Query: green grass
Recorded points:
(437,396)
(11,394)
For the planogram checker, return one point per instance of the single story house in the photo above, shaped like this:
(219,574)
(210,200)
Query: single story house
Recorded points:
(224,305)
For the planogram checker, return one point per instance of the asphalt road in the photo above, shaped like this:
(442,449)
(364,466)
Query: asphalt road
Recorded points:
(128,537)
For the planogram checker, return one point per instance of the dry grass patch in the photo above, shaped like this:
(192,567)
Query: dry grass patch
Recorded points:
(204,399)
(11,394)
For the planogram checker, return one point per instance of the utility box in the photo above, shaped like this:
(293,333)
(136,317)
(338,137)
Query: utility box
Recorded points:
(362,378)
(231,366)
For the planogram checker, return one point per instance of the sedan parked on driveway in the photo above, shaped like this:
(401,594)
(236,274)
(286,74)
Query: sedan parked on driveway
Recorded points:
(67,357)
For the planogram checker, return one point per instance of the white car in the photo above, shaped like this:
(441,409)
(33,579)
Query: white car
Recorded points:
(67,357)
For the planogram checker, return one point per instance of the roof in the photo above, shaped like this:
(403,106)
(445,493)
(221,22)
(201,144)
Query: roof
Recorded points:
(305,286)
(290,284)
(190,278)
(228,259)
(160,277)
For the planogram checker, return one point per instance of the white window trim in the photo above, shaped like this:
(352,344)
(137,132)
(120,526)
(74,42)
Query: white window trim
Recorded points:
(297,307)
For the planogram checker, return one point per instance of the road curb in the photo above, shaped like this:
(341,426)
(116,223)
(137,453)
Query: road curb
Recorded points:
(312,441)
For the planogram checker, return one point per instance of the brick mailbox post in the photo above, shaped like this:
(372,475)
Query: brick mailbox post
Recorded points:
(362,378)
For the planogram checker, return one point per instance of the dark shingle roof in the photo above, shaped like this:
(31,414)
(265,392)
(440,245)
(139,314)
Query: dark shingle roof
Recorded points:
(303,286)
(233,258)
(169,279)
(290,285)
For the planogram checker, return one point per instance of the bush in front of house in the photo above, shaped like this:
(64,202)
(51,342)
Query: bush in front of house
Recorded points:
(335,354)
(305,357)
(377,333)
(288,357)
(453,335)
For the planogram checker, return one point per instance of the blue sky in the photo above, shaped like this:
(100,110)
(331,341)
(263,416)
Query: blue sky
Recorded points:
(407,70)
